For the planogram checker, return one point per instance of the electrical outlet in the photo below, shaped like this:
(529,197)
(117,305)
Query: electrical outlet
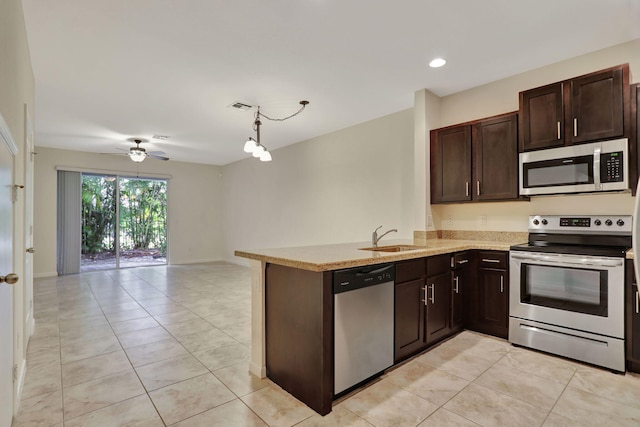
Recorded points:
(429,220)
(483,219)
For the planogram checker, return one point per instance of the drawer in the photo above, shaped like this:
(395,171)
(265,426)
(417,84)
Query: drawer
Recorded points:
(493,259)
(461,259)
(409,270)
(438,264)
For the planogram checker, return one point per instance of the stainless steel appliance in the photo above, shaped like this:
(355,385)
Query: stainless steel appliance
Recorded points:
(567,287)
(598,166)
(363,324)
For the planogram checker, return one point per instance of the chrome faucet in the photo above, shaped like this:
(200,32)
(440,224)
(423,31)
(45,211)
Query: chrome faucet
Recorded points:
(375,238)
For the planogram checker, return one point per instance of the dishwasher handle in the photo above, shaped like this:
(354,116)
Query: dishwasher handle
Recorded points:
(361,277)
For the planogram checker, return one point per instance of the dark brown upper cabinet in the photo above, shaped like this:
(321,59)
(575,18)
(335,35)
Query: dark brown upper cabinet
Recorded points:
(451,164)
(495,158)
(541,117)
(635,132)
(475,161)
(583,109)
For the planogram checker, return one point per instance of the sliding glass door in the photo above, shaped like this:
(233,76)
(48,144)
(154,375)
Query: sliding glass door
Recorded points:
(123,222)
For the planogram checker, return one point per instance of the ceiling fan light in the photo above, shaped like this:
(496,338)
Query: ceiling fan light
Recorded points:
(250,145)
(258,151)
(265,157)
(137,156)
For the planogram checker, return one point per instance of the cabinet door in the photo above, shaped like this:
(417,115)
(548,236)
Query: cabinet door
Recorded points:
(409,318)
(597,106)
(451,164)
(493,302)
(635,135)
(495,147)
(459,291)
(438,307)
(541,118)
(632,319)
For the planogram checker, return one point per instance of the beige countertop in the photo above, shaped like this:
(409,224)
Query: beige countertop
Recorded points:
(346,255)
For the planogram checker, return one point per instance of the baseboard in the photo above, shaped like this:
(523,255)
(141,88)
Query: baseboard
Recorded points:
(235,260)
(22,373)
(257,370)
(42,275)
(195,261)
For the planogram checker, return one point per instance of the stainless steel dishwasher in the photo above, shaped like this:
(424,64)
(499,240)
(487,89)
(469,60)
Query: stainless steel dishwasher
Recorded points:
(363,324)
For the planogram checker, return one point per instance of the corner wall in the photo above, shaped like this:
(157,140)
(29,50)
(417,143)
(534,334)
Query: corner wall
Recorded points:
(194,199)
(334,188)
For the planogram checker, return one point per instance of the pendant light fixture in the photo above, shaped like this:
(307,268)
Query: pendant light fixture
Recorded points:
(254,146)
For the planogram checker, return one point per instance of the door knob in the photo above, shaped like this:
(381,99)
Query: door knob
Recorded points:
(10,279)
(31,250)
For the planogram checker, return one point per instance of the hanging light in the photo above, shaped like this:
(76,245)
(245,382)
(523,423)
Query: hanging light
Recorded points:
(250,145)
(254,146)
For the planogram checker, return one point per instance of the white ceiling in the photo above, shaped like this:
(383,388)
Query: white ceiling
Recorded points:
(108,70)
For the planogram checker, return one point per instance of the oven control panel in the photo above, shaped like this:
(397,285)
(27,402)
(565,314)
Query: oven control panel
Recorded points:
(581,224)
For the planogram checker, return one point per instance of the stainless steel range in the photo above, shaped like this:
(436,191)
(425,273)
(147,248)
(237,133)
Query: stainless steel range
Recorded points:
(567,287)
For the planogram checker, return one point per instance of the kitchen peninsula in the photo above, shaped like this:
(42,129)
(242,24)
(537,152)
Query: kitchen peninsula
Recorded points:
(292,305)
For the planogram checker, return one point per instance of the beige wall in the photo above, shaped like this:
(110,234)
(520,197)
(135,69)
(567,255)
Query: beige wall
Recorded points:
(16,98)
(335,188)
(194,193)
(501,97)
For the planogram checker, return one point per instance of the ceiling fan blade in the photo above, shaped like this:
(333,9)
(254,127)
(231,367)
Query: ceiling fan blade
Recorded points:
(156,153)
(122,149)
(155,156)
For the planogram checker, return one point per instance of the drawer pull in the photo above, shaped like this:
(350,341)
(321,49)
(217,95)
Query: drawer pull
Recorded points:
(456,280)
(463,261)
(495,261)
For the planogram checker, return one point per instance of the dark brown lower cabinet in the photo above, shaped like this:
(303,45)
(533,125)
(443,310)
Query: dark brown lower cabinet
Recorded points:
(438,307)
(632,308)
(299,333)
(460,291)
(489,294)
(409,318)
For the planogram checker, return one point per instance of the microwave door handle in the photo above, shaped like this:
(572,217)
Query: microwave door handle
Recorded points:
(596,168)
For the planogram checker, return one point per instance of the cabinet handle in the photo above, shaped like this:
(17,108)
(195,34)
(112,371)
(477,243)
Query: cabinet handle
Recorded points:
(478,187)
(425,295)
(495,261)
(463,261)
(637,302)
(433,294)
(452,262)
(501,284)
(467,189)
(575,126)
(558,129)
(456,279)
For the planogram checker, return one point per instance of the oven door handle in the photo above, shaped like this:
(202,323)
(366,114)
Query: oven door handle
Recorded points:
(583,261)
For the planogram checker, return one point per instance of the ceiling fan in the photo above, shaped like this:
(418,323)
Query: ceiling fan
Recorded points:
(138,154)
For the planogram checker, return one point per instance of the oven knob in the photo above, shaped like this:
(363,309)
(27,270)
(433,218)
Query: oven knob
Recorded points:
(597,222)
(536,222)
(608,222)
(620,222)
(545,222)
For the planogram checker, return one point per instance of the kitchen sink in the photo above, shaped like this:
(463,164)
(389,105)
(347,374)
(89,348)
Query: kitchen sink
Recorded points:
(392,248)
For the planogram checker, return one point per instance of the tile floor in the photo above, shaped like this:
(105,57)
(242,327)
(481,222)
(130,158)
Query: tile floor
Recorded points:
(169,345)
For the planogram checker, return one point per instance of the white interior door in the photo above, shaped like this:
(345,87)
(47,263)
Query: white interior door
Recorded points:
(27,280)
(6,291)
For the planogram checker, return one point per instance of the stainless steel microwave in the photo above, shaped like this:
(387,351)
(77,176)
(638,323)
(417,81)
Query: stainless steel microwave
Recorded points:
(584,168)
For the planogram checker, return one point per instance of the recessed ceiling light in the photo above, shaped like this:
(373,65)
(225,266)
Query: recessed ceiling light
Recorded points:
(436,63)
